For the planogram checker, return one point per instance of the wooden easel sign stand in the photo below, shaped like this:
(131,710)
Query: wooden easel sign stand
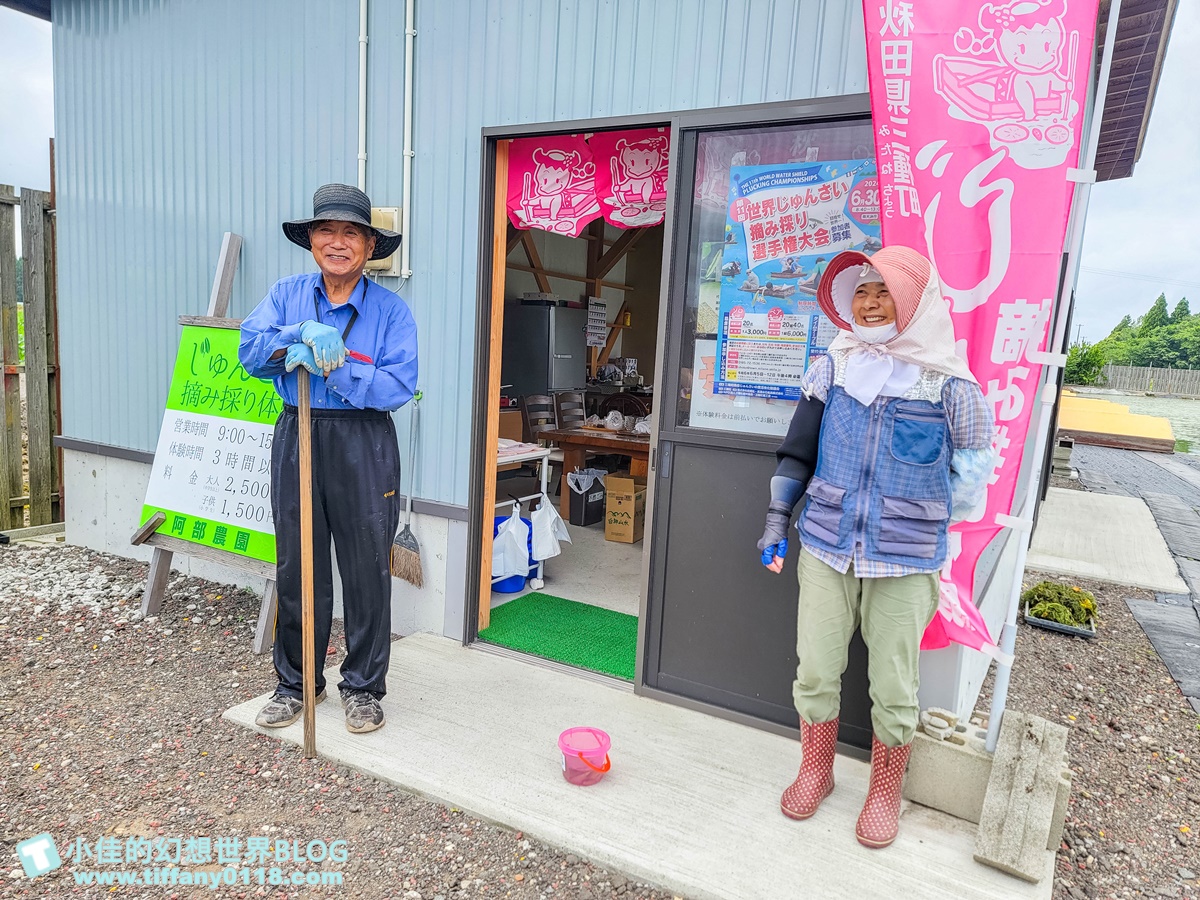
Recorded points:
(218,469)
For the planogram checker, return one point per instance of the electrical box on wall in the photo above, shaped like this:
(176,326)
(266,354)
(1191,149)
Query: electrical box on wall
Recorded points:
(386,217)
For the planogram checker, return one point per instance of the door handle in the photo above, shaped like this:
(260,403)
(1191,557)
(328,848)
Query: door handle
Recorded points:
(563,356)
(663,460)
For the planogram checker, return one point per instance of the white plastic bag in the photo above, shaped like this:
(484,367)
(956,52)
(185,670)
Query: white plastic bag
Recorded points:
(614,421)
(510,549)
(548,530)
(581,480)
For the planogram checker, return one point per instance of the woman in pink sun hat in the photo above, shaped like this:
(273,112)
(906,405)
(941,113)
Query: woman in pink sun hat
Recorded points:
(890,442)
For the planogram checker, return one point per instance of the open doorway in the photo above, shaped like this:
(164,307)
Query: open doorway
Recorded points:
(573,345)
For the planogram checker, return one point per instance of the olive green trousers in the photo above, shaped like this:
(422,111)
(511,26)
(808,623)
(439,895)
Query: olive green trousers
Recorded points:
(893,613)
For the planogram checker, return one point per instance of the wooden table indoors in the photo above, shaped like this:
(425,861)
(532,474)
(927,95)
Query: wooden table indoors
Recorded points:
(576,442)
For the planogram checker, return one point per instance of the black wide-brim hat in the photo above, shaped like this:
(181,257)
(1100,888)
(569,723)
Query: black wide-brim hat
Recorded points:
(342,203)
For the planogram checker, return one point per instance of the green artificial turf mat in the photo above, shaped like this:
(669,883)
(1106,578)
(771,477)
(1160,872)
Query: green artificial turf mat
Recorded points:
(589,637)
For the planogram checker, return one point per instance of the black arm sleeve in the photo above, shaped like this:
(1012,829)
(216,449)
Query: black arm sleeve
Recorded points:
(797,454)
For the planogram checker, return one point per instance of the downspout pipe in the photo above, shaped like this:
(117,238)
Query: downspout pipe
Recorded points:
(410,34)
(362,95)
(1086,176)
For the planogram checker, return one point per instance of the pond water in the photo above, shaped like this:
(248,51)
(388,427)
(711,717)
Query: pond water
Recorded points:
(1184,415)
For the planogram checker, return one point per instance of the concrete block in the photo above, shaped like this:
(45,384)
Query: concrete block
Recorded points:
(948,776)
(1062,799)
(1020,806)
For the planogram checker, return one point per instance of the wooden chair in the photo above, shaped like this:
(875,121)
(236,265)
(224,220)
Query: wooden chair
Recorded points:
(570,409)
(538,415)
(625,404)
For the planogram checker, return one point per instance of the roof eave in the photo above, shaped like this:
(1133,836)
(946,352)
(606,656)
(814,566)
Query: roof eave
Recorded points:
(1143,32)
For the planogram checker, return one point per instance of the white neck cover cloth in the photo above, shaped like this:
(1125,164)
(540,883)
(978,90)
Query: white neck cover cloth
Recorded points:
(886,362)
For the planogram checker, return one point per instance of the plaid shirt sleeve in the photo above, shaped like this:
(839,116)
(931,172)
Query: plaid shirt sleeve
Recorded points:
(972,426)
(818,378)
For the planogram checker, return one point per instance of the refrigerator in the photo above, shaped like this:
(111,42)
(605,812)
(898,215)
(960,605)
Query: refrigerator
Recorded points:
(545,349)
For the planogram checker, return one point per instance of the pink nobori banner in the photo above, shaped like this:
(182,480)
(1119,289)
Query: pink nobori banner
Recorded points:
(978,109)
(562,183)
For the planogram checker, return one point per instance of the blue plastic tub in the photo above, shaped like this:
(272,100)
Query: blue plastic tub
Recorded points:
(514,584)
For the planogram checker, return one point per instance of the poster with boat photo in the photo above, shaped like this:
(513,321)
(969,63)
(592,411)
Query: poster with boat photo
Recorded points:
(785,222)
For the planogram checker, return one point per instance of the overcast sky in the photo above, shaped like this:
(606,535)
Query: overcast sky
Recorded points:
(26,100)
(1148,225)
(1145,228)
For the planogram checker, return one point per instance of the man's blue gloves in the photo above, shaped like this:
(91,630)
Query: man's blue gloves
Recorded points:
(326,343)
(300,354)
(774,542)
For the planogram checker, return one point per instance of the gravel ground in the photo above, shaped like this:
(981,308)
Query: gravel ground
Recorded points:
(1134,819)
(1067,484)
(111,728)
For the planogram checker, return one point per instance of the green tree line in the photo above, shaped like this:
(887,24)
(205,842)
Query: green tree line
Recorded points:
(1162,339)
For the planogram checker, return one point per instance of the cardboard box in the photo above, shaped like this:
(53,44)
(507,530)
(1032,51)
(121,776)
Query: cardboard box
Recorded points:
(625,511)
(587,508)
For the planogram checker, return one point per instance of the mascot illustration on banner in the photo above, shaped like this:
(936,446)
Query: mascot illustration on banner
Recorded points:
(638,191)
(559,193)
(1012,80)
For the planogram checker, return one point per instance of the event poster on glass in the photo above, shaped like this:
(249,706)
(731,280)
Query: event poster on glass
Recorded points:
(785,222)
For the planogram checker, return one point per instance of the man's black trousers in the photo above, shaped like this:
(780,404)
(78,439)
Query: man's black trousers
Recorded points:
(356,476)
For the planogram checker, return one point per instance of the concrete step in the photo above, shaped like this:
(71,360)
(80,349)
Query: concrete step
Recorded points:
(691,803)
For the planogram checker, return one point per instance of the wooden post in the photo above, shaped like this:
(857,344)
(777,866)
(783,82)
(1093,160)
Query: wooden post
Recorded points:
(54,386)
(227,262)
(10,399)
(156,582)
(492,396)
(264,630)
(307,628)
(37,384)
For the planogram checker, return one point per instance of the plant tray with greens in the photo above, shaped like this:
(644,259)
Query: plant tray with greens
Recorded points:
(1062,608)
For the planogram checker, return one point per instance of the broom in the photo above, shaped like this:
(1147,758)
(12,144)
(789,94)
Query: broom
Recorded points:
(406,552)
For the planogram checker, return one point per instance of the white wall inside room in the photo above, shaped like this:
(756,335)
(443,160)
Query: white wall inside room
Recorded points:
(104,507)
(644,271)
(560,253)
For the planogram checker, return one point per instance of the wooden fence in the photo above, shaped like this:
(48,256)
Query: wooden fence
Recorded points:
(30,465)
(1174,382)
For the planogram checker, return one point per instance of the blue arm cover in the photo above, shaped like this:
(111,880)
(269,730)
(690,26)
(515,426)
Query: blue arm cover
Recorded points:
(970,471)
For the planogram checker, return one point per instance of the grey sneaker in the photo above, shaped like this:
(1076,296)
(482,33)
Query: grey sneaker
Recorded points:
(282,710)
(363,712)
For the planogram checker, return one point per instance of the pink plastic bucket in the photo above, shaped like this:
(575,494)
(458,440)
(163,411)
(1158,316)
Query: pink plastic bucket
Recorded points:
(585,755)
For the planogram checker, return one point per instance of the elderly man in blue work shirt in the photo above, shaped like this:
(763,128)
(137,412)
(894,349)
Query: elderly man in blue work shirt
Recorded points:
(360,341)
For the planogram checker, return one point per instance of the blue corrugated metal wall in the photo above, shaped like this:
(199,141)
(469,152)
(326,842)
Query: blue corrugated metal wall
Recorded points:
(179,121)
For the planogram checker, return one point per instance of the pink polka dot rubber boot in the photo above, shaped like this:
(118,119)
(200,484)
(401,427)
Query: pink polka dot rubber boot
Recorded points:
(818,744)
(879,821)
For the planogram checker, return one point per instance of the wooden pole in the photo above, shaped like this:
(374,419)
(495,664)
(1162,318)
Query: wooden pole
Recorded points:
(492,398)
(306,569)
(37,376)
(10,380)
